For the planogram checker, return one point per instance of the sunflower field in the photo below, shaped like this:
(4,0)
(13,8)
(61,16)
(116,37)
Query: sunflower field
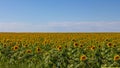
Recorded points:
(59,50)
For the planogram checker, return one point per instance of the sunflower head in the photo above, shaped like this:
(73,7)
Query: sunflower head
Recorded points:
(15,47)
(92,48)
(59,48)
(99,46)
(4,45)
(83,57)
(45,42)
(66,46)
(73,40)
(114,45)
(38,50)
(76,44)
(109,44)
(25,45)
(28,51)
(116,57)
(81,45)
(107,40)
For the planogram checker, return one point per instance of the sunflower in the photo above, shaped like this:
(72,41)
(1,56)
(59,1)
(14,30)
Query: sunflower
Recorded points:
(99,46)
(66,46)
(81,45)
(15,47)
(59,48)
(73,40)
(10,43)
(28,51)
(25,45)
(4,45)
(106,39)
(116,57)
(114,45)
(92,48)
(37,49)
(45,42)
(109,44)
(83,57)
(76,44)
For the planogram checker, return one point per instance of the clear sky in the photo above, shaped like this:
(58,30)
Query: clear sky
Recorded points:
(59,15)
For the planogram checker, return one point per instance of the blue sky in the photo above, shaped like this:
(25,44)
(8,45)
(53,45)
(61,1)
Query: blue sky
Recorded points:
(59,15)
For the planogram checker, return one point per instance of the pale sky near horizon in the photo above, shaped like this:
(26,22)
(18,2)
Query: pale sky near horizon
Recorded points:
(59,15)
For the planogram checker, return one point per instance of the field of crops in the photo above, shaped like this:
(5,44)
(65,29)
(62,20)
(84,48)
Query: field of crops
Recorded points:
(59,50)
